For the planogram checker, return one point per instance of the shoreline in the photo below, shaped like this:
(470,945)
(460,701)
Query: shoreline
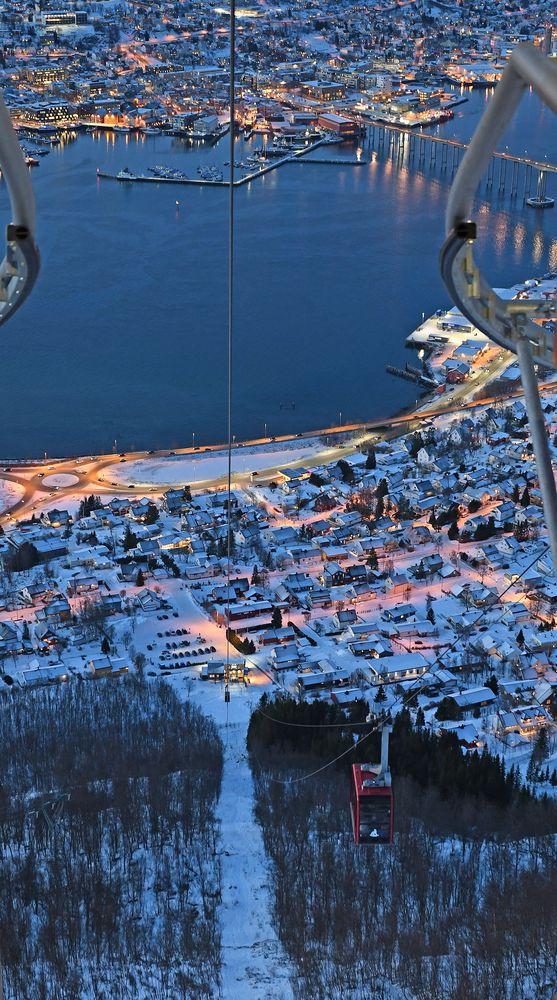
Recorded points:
(371,424)
(215,447)
(29,443)
(401,416)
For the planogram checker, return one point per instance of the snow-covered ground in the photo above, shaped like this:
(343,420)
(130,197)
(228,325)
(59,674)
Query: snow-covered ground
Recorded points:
(10,493)
(64,479)
(181,469)
(253,960)
(254,964)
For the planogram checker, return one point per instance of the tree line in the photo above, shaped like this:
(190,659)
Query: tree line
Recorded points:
(109,872)
(474,794)
(461,907)
(430,918)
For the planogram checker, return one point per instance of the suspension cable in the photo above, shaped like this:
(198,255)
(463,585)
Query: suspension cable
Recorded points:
(232,107)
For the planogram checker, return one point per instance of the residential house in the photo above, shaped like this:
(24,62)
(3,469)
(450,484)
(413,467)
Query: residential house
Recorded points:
(148,600)
(526,720)
(466,733)
(55,673)
(83,585)
(277,636)
(475,698)
(55,612)
(395,669)
(10,639)
(111,603)
(286,657)
(107,666)
(56,518)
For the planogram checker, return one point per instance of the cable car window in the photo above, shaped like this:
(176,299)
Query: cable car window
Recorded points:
(375,819)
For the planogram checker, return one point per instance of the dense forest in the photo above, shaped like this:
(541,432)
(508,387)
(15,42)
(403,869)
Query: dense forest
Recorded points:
(461,907)
(109,873)
(456,793)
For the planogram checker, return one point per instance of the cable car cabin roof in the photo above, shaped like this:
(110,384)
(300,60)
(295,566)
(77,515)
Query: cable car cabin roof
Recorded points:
(367,782)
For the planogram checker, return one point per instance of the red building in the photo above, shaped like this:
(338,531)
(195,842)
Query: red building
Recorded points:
(339,124)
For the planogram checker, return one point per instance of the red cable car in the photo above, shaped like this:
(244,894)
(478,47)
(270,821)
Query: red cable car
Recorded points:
(371,799)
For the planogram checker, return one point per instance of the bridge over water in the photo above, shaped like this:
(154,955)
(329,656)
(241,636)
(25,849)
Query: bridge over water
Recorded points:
(418,148)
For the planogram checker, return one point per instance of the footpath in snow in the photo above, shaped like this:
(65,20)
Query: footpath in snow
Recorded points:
(254,966)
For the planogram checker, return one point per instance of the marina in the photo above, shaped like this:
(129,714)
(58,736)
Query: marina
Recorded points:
(213,177)
(523,175)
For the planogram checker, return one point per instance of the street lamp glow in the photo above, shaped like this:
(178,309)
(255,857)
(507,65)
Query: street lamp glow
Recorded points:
(241,12)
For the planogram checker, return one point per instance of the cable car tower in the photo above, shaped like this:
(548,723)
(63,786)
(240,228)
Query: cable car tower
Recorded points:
(517,324)
(20,267)
(371,798)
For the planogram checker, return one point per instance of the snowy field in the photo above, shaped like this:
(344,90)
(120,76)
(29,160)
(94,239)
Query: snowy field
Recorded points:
(10,493)
(191,469)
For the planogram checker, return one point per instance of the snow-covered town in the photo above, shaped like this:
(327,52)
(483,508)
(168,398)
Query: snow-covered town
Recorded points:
(278,707)
(193,641)
(128,68)
(413,570)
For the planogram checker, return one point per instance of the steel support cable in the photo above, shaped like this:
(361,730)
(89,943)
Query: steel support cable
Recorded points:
(231,221)
(20,267)
(509,323)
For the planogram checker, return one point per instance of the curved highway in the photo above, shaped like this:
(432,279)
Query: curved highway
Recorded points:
(89,474)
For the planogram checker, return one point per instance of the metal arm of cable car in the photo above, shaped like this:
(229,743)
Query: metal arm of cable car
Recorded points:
(510,324)
(20,267)
(380,773)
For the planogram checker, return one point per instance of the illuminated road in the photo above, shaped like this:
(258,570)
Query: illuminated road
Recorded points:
(89,472)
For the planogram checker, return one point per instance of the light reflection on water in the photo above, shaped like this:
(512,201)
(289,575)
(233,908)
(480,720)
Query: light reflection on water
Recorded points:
(125,334)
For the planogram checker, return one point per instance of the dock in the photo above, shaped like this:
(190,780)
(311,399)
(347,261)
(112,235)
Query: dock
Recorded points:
(145,179)
(337,162)
(294,156)
(412,374)
(262,170)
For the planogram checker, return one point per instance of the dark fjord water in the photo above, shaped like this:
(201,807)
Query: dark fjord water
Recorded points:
(124,337)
